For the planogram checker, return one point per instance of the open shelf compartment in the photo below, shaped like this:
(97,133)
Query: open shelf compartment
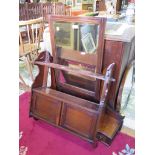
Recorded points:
(111,123)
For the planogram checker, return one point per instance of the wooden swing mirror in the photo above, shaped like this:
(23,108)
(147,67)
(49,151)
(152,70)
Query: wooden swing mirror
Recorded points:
(76,100)
(78,44)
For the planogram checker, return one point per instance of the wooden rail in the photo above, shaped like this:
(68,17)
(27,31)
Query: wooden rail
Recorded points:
(74,70)
(29,11)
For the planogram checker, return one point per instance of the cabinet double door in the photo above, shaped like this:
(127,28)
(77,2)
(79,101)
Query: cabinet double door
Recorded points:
(74,118)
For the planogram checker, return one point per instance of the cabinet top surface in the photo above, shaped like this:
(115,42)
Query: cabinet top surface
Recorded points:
(119,31)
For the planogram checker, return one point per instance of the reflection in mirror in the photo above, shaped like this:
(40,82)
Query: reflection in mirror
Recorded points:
(76,45)
(77,36)
(49,82)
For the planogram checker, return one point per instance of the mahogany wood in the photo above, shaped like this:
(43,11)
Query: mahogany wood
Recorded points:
(110,124)
(103,122)
(99,50)
(120,53)
(70,108)
(46,107)
(73,70)
(79,120)
(78,57)
(74,114)
(60,96)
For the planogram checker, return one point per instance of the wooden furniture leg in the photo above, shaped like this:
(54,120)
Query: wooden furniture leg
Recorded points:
(29,67)
(23,84)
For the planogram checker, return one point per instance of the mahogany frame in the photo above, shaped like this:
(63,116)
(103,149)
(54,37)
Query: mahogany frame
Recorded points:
(99,52)
(49,104)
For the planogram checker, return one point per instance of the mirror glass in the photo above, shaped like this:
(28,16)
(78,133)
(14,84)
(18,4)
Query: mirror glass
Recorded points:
(77,45)
(77,36)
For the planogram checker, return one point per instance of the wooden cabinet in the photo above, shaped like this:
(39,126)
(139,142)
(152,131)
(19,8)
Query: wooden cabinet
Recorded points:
(84,83)
(73,114)
(65,111)
(122,53)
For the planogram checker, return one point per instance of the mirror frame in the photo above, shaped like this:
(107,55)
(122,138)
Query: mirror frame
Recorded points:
(122,84)
(99,51)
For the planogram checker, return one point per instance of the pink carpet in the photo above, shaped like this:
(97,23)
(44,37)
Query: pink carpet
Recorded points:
(39,138)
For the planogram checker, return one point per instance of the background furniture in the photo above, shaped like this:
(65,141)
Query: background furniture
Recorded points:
(29,11)
(87,5)
(100,5)
(23,84)
(30,36)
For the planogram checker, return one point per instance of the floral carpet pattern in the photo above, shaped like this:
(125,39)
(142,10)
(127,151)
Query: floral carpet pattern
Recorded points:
(22,149)
(126,151)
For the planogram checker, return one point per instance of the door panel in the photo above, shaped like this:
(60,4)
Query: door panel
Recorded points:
(47,108)
(78,120)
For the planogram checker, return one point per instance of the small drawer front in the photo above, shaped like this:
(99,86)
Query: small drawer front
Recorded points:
(78,120)
(47,108)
